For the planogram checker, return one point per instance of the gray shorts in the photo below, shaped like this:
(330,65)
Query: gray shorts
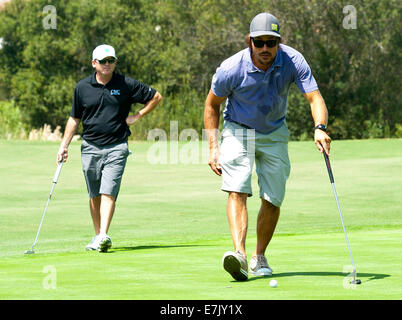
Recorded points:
(103,167)
(241,147)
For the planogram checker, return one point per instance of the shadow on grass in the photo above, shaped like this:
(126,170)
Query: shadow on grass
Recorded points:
(369,276)
(152,247)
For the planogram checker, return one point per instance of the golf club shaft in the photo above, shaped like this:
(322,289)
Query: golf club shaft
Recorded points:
(55,179)
(43,216)
(331,178)
(343,226)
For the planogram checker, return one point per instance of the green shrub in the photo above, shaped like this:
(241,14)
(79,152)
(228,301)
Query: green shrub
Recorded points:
(398,132)
(11,124)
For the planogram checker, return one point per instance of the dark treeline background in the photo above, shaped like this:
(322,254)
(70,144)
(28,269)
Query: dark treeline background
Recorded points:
(176,46)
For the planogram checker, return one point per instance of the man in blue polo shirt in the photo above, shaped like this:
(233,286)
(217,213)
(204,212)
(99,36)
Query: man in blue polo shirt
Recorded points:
(255,83)
(103,101)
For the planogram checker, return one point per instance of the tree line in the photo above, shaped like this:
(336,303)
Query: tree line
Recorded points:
(353,48)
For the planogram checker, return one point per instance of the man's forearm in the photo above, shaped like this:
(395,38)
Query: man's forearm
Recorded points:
(211,123)
(319,110)
(148,107)
(319,113)
(151,104)
(71,128)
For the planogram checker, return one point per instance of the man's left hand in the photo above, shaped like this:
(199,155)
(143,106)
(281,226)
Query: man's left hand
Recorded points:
(322,141)
(131,119)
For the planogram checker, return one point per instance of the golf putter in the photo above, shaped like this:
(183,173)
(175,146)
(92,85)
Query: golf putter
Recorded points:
(331,178)
(55,179)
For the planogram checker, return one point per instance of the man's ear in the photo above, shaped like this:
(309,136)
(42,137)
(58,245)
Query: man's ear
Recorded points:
(93,63)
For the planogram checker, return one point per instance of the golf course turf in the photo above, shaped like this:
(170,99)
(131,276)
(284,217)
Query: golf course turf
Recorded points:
(170,230)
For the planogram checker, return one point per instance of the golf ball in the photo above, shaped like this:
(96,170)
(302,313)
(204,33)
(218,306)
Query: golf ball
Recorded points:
(273,283)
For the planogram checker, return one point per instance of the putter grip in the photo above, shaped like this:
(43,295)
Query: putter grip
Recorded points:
(331,177)
(56,175)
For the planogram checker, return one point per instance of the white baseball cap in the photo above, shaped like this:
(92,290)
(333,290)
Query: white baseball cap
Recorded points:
(103,51)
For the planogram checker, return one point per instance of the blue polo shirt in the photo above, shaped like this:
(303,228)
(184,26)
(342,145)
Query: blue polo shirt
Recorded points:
(256,98)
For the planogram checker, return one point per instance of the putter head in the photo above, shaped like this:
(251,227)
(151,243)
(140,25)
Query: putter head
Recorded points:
(29,252)
(355,281)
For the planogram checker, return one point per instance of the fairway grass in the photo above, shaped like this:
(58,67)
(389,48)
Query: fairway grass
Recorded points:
(193,271)
(170,230)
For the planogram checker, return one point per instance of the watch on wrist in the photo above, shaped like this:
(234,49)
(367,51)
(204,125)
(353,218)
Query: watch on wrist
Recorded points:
(321,127)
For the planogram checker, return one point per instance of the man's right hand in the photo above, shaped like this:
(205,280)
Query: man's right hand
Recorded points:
(62,152)
(211,123)
(213,161)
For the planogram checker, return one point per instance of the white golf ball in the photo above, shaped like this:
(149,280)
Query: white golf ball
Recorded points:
(273,283)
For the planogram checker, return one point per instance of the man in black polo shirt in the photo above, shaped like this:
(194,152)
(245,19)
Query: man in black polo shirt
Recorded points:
(103,101)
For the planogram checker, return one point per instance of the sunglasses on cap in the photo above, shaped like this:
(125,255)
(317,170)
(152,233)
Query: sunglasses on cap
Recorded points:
(110,60)
(269,43)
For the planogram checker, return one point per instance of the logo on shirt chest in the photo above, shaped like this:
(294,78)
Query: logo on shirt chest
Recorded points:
(115,92)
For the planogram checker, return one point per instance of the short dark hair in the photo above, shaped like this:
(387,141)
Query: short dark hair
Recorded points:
(247,40)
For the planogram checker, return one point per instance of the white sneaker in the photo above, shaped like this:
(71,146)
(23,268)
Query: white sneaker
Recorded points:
(105,244)
(236,264)
(94,244)
(259,266)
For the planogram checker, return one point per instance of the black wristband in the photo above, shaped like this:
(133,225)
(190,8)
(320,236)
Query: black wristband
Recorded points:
(321,127)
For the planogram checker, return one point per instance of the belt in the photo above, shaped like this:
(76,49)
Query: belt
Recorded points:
(241,124)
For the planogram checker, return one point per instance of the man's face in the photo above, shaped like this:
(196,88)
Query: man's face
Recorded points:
(264,55)
(105,66)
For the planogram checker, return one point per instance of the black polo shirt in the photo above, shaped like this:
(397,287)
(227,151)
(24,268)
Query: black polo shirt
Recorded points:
(104,109)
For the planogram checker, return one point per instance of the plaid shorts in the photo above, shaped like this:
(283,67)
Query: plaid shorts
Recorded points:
(241,147)
(103,167)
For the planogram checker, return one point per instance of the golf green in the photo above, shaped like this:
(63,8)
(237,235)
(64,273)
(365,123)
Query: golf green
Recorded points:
(170,230)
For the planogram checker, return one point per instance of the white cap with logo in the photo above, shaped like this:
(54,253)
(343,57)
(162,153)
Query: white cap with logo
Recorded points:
(103,51)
